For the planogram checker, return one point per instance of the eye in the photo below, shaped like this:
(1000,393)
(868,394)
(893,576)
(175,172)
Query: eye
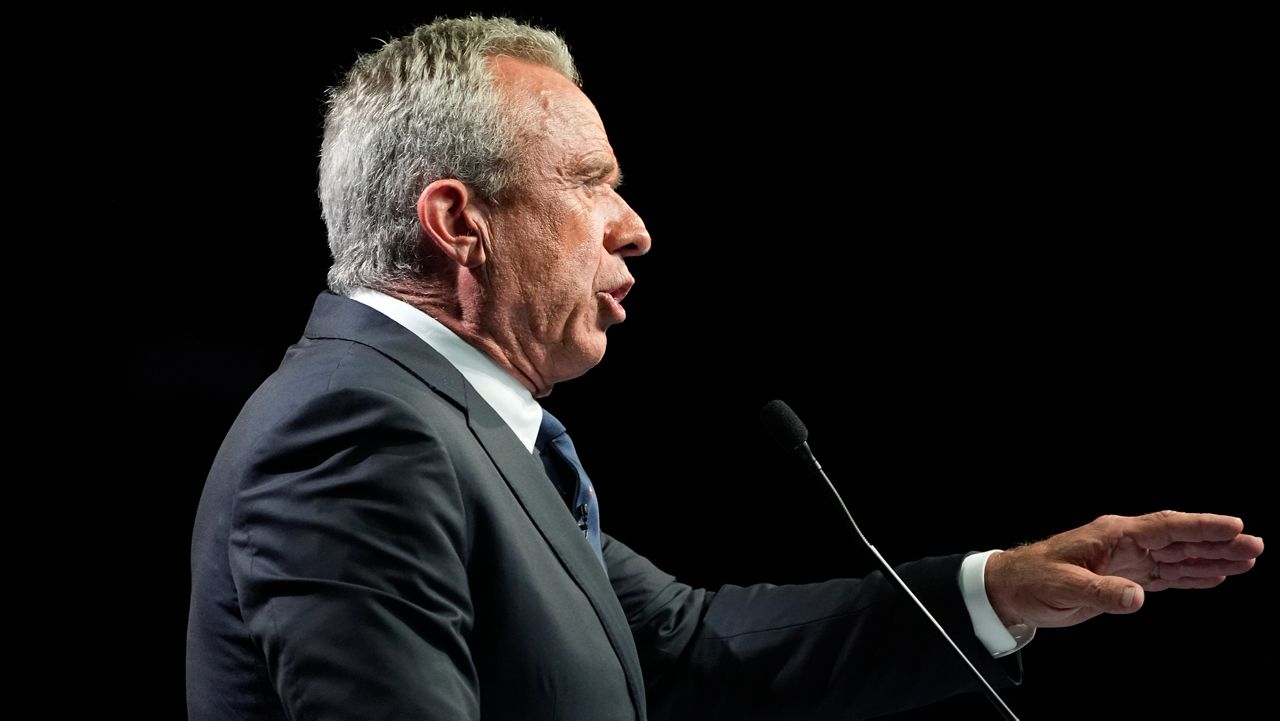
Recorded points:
(599,181)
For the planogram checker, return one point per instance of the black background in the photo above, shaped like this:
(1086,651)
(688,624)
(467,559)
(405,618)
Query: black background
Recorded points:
(1010,270)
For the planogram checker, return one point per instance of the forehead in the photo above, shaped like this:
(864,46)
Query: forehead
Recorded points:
(559,118)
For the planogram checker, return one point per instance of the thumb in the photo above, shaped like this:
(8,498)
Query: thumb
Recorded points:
(1113,594)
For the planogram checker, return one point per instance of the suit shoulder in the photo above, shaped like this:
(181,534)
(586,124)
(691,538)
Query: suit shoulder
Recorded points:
(326,385)
(315,368)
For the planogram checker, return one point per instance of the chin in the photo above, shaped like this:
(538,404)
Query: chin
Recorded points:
(586,356)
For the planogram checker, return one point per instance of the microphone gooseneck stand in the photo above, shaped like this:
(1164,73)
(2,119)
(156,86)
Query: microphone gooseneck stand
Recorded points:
(790,433)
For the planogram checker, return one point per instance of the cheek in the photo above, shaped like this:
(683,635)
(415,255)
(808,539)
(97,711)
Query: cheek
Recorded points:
(568,263)
(582,258)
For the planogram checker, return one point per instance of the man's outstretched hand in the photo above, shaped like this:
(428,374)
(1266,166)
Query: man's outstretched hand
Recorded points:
(1108,566)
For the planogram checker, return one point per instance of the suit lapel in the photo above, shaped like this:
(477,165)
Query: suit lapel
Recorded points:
(527,479)
(337,317)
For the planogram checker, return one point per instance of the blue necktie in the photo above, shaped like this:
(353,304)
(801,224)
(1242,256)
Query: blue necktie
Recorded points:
(554,445)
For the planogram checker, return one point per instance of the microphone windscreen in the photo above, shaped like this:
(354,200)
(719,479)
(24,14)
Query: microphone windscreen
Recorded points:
(783,425)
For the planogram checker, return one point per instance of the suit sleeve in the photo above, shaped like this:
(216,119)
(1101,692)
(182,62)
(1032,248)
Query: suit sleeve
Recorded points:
(348,550)
(834,650)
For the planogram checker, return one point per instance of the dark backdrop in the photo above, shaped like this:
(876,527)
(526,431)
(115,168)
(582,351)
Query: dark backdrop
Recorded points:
(1008,270)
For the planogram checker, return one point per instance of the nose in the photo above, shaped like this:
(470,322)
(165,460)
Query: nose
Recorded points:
(626,233)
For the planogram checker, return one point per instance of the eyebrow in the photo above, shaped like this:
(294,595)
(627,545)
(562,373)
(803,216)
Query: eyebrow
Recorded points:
(599,168)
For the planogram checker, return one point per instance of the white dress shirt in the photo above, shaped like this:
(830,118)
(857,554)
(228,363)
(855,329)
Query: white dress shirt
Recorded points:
(517,407)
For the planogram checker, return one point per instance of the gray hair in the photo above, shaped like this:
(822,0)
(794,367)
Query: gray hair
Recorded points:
(421,108)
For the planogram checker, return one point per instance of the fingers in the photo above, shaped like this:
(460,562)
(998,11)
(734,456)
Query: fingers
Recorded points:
(1203,568)
(1116,594)
(1241,548)
(1161,584)
(1160,529)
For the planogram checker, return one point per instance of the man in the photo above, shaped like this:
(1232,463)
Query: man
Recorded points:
(393,528)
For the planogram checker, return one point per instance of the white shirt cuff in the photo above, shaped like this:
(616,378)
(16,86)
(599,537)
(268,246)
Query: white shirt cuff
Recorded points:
(1000,641)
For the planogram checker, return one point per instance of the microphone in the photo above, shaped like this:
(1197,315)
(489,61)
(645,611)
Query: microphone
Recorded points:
(786,429)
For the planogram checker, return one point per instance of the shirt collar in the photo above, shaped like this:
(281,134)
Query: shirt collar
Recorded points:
(513,402)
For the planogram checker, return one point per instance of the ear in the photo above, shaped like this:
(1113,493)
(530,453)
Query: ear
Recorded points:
(453,217)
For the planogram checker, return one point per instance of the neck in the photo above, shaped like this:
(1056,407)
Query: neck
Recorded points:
(469,322)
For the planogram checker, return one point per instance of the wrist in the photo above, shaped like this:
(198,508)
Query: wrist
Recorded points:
(998,578)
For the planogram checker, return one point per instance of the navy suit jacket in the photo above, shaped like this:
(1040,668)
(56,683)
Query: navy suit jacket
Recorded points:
(373,542)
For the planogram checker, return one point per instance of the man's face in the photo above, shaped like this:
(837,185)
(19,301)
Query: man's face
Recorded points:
(556,269)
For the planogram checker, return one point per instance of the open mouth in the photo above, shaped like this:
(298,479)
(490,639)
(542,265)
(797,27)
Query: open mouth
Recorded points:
(621,291)
(613,299)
